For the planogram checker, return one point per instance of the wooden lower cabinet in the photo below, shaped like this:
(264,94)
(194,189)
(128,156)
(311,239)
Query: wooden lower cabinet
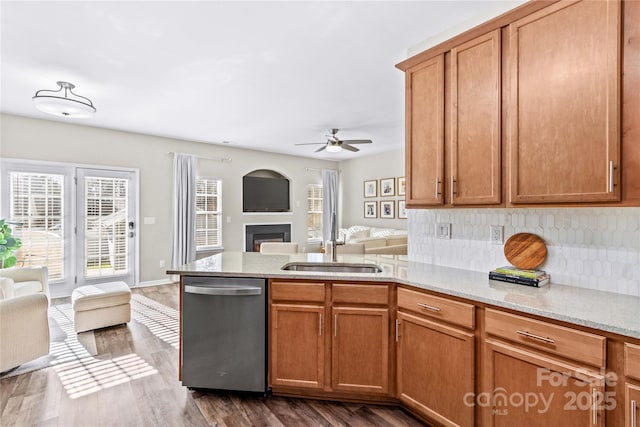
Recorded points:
(360,350)
(632,405)
(435,370)
(296,350)
(523,387)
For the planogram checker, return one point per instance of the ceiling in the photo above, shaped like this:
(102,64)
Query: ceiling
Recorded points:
(261,75)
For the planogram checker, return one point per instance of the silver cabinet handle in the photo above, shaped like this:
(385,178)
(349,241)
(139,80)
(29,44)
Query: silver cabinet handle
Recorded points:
(594,408)
(453,183)
(437,187)
(229,290)
(536,337)
(320,324)
(611,168)
(634,415)
(335,325)
(428,307)
(397,327)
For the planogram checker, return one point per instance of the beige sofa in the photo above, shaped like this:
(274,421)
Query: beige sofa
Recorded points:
(376,240)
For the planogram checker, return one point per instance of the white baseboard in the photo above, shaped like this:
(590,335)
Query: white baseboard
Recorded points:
(155,283)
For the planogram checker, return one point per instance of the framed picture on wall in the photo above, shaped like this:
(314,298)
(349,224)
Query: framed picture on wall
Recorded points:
(387,187)
(371,188)
(387,209)
(371,209)
(402,186)
(402,209)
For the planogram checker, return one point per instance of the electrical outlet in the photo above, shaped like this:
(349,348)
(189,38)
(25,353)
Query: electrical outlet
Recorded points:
(162,263)
(496,234)
(443,230)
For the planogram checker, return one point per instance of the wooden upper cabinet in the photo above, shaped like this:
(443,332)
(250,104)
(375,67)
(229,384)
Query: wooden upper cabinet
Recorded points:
(475,137)
(425,133)
(564,104)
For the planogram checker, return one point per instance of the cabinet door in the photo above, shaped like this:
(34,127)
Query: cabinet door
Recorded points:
(360,350)
(425,133)
(436,370)
(527,388)
(296,346)
(632,406)
(475,122)
(564,135)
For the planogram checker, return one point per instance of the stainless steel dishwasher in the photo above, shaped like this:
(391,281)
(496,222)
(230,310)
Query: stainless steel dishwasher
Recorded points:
(224,333)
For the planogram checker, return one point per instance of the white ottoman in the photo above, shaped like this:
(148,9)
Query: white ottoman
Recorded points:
(101,305)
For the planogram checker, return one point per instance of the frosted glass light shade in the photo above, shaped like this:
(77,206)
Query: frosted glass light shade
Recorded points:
(334,148)
(63,107)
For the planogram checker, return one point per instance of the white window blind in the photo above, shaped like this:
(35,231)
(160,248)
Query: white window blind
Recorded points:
(208,213)
(314,212)
(105,226)
(36,203)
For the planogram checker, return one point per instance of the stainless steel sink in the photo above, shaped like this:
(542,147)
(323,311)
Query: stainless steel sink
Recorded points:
(332,267)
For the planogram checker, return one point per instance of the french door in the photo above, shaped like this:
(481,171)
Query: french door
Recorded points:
(78,221)
(105,226)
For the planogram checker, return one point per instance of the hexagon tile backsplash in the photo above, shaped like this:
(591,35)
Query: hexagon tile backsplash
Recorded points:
(595,248)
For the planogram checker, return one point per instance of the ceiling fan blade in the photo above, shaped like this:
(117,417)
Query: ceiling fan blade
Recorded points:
(311,143)
(357,141)
(320,149)
(350,148)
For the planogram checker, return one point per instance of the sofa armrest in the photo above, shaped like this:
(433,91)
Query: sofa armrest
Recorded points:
(24,330)
(7,289)
(388,250)
(371,242)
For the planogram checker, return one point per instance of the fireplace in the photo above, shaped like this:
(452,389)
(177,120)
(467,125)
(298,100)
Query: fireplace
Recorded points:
(258,233)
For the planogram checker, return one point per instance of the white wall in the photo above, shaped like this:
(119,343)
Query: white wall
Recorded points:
(26,138)
(354,172)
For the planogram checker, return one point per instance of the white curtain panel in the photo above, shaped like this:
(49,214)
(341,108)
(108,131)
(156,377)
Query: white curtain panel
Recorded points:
(184,209)
(329,202)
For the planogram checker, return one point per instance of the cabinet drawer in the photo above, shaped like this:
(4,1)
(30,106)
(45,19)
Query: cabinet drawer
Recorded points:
(567,342)
(288,291)
(360,294)
(454,312)
(632,360)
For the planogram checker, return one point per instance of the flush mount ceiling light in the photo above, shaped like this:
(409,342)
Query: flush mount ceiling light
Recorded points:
(67,105)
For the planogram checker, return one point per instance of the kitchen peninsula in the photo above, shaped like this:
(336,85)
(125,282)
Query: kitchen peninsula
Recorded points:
(434,339)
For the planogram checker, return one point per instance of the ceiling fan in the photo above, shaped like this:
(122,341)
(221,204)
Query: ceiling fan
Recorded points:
(335,144)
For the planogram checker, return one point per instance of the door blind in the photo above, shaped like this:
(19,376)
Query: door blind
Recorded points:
(37,208)
(106,212)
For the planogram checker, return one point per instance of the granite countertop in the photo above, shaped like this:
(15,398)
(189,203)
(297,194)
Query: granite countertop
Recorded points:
(605,311)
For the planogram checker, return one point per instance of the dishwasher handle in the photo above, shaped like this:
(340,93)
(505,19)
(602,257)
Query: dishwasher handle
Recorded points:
(229,290)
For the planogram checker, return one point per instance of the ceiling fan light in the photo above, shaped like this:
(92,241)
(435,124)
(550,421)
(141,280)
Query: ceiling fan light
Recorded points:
(334,148)
(55,103)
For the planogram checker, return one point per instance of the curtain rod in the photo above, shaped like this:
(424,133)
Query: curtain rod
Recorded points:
(318,170)
(215,159)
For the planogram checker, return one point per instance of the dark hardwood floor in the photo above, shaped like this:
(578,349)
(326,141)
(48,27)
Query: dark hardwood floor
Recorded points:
(134,383)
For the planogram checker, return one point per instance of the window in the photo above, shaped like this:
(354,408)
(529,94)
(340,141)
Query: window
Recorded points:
(36,203)
(314,212)
(208,213)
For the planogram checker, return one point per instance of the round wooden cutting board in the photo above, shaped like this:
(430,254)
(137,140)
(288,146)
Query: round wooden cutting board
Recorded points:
(525,251)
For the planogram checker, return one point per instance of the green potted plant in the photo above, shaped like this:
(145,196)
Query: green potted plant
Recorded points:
(8,245)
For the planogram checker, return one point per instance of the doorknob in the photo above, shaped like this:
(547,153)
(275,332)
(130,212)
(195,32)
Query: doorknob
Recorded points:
(131,225)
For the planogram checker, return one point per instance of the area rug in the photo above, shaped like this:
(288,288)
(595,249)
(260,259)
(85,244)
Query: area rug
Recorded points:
(66,345)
